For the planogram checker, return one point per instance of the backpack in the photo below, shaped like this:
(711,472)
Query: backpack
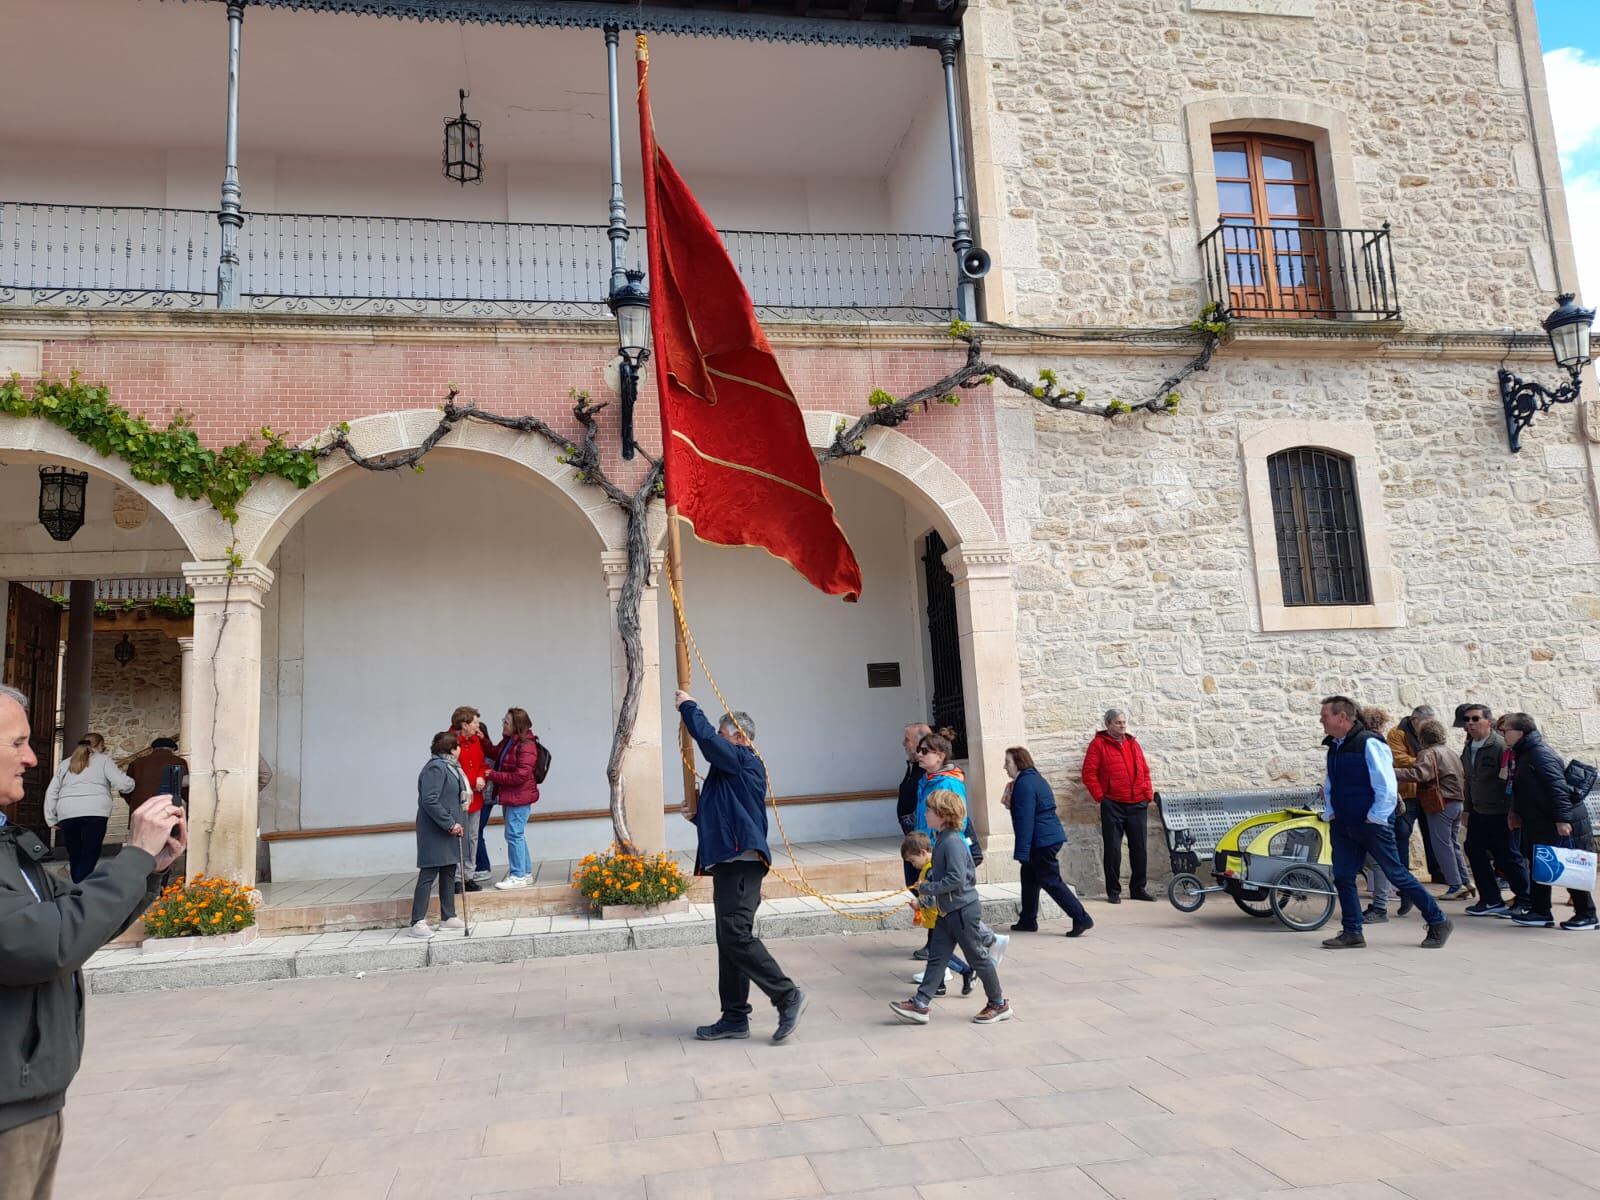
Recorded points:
(541,761)
(1580,778)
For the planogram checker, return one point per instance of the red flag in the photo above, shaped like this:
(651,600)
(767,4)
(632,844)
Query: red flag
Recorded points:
(739,468)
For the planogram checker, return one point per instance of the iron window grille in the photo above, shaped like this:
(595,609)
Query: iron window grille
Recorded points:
(1322,555)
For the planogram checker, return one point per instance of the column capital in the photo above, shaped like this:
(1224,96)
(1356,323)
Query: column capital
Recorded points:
(979,560)
(249,577)
(614,566)
(185,644)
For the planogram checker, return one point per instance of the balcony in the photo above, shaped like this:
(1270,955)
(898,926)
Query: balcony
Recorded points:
(88,256)
(1300,272)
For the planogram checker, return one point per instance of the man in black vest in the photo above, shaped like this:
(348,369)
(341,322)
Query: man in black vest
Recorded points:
(1359,794)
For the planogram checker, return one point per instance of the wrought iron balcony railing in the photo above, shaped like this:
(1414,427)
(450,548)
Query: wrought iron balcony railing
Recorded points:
(1296,271)
(94,256)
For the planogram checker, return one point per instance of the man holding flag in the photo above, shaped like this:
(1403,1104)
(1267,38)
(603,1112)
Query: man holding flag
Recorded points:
(739,471)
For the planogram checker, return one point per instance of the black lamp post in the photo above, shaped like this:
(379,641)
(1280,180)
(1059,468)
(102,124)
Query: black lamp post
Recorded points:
(463,148)
(1524,399)
(61,494)
(630,304)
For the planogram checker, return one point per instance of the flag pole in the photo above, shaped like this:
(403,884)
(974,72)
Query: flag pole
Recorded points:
(691,797)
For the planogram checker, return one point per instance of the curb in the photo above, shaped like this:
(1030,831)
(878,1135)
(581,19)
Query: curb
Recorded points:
(268,963)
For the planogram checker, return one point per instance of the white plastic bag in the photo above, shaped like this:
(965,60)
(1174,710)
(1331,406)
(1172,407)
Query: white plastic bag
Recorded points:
(1559,866)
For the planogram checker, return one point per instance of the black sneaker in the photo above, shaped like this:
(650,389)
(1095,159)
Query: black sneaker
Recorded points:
(1534,920)
(1019,927)
(724,1028)
(1405,907)
(1374,916)
(1114,898)
(473,886)
(920,954)
(1078,930)
(967,981)
(1487,908)
(789,1017)
(1344,940)
(1141,894)
(1580,924)
(1520,908)
(1437,935)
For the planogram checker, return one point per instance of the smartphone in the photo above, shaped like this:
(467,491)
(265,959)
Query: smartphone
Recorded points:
(172,787)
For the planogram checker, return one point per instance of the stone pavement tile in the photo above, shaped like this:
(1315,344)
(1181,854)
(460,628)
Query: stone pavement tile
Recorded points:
(881,1096)
(723,1085)
(696,1115)
(595,1164)
(889,1166)
(362,1185)
(530,1173)
(1493,1144)
(1081,1108)
(122,1181)
(1220,1094)
(767,1179)
(822,1135)
(1107,1072)
(1579,1128)
(1495,1183)
(1149,1043)
(910,1059)
(1366,1189)
(254,1110)
(1028,1149)
(1173,1133)
(1474,1070)
(520,1076)
(1206,1175)
(980,1085)
(1067,1183)
(1341,1115)
(388,1122)
(1339,1159)
(195,1171)
(408,1150)
(972,1118)
(514,1137)
(904,1192)
(585,1102)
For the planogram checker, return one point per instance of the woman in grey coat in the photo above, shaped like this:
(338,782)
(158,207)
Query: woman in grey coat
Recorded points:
(440,813)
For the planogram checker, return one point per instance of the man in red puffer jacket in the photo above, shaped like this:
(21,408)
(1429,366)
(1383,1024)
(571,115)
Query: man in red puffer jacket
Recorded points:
(1117,776)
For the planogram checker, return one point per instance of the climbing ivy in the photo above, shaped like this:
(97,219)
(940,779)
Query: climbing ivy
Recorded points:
(173,456)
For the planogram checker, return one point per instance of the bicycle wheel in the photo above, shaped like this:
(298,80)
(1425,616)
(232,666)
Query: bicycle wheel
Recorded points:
(1303,899)
(1253,901)
(1186,893)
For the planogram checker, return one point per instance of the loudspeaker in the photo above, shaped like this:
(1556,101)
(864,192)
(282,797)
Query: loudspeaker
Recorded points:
(975,263)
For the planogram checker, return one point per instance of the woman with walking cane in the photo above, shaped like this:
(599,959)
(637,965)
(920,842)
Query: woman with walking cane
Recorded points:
(441,796)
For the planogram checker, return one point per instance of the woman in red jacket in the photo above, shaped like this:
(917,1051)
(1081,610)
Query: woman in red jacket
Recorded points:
(466,724)
(1118,778)
(516,791)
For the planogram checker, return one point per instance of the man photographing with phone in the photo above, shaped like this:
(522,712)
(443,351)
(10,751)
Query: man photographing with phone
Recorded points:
(48,930)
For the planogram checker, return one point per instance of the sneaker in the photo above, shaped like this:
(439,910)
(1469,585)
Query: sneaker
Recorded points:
(454,924)
(1580,924)
(997,951)
(789,1017)
(482,876)
(920,975)
(993,1013)
(1486,908)
(1114,898)
(1533,920)
(1405,907)
(967,981)
(1374,916)
(1019,927)
(473,886)
(920,954)
(910,1012)
(1079,930)
(1456,893)
(512,883)
(1141,894)
(1345,940)
(724,1028)
(421,931)
(1437,935)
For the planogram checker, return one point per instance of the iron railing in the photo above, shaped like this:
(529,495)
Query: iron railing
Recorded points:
(96,255)
(1300,271)
(134,588)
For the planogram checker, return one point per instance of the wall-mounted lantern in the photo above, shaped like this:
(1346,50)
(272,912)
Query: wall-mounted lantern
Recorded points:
(124,652)
(1523,399)
(630,304)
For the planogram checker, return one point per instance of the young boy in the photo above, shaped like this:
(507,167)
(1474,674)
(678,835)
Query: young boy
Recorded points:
(951,889)
(917,852)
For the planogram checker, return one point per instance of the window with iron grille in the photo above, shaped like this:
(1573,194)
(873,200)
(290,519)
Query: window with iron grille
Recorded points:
(1322,555)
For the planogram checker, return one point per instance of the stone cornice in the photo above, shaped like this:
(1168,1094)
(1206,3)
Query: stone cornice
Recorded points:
(250,579)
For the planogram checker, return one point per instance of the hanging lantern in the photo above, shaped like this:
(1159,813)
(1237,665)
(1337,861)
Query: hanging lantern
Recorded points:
(124,651)
(463,148)
(61,494)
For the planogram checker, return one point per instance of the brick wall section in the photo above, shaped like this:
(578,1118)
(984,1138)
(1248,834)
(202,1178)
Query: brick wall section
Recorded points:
(300,388)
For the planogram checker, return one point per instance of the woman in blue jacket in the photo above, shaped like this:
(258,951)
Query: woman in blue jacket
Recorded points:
(1039,838)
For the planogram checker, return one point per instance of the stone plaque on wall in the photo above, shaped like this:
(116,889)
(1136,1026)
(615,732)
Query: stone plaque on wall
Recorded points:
(129,509)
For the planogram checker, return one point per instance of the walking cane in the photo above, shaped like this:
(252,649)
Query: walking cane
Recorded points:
(461,858)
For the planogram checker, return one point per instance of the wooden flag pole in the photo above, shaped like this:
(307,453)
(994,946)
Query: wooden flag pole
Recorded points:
(691,796)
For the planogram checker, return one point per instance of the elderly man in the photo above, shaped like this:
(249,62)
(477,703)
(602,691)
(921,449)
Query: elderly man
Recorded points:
(1491,847)
(731,821)
(1359,794)
(48,930)
(1118,778)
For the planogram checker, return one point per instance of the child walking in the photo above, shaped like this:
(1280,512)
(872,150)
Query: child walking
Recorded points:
(917,852)
(951,889)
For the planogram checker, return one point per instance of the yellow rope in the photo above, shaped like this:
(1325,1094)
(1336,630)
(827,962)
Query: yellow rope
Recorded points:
(800,883)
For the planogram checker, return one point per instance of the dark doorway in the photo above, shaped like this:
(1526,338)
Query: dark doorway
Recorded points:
(944,640)
(33,647)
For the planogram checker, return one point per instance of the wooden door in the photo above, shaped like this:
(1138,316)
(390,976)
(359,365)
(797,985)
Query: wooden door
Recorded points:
(1277,256)
(33,652)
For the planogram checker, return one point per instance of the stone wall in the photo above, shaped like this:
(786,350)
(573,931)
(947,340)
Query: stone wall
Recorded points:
(133,704)
(1086,177)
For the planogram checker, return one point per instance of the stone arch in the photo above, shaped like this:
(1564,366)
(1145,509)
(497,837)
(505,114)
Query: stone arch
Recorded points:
(202,531)
(274,506)
(912,471)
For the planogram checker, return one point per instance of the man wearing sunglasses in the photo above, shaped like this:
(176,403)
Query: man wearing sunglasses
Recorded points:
(1491,847)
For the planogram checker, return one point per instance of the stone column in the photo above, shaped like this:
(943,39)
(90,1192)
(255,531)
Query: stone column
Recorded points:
(225,717)
(77,687)
(643,797)
(986,621)
(185,695)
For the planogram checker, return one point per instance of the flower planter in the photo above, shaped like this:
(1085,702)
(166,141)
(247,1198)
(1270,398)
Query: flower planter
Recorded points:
(632,912)
(220,941)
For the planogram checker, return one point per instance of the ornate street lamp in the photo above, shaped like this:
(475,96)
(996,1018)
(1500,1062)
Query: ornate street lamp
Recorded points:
(124,651)
(61,494)
(463,148)
(1523,399)
(630,304)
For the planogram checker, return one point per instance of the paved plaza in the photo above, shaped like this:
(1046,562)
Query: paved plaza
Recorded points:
(1162,1056)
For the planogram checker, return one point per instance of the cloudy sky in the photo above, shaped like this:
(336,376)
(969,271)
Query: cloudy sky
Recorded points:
(1571,33)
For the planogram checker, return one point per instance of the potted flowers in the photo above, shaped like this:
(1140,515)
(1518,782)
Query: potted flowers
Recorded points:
(204,913)
(622,884)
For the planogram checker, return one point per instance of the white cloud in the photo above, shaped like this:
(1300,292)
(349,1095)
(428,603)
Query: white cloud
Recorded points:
(1575,101)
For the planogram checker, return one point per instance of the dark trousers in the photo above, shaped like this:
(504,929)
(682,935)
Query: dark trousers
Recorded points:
(1491,847)
(1353,842)
(28,1156)
(83,837)
(1539,894)
(483,843)
(1116,821)
(426,877)
(741,958)
(959,928)
(1420,818)
(1042,873)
